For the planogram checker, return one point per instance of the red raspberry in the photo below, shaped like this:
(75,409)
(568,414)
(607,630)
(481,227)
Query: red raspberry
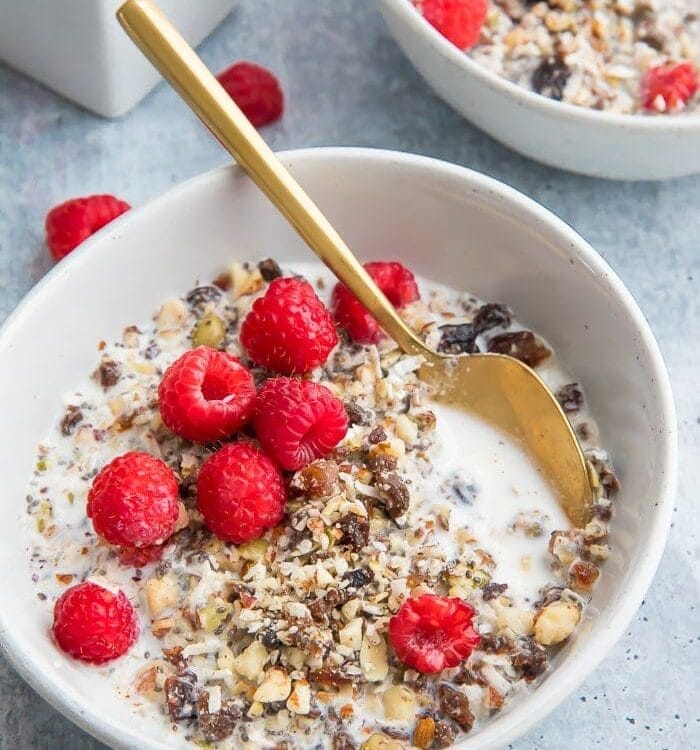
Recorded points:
(674,83)
(432,633)
(68,224)
(289,329)
(255,90)
(397,283)
(92,624)
(133,501)
(240,493)
(297,421)
(206,395)
(459,21)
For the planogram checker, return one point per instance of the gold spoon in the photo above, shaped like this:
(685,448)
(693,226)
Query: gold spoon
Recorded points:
(497,388)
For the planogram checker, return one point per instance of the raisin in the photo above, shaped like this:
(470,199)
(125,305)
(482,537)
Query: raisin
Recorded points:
(458,339)
(655,41)
(333,598)
(609,481)
(395,494)
(269,639)
(223,281)
(359,577)
(444,734)
(455,705)
(151,351)
(269,269)
(583,575)
(108,373)
(342,741)
(319,479)
(493,590)
(522,345)
(71,419)
(603,511)
(356,414)
(202,295)
(180,695)
(355,531)
(494,644)
(550,77)
(570,397)
(218,726)
(378,435)
(491,315)
(531,661)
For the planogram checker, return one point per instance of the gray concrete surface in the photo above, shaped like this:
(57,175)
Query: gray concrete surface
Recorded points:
(347,83)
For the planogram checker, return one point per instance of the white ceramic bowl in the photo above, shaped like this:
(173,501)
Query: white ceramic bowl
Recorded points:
(446,222)
(602,144)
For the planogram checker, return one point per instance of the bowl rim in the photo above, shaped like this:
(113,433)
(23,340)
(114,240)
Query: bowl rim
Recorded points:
(561,683)
(678,123)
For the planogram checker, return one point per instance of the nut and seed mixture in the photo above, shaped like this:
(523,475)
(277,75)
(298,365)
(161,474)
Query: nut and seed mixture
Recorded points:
(281,642)
(592,53)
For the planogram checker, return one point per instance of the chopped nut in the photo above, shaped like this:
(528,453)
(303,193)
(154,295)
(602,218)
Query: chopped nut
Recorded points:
(275,687)
(424,733)
(162,627)
(299,701)
(171,315)
(351,634)
(161,595)
(555,622)
(342,741)
(399,703)
(373,658)
(250,662)
(380,742)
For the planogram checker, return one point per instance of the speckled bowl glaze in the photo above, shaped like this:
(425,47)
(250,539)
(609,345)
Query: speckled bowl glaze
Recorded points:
(447,223)
(601,144)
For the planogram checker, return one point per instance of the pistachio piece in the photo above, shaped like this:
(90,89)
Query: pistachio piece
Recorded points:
(209,331)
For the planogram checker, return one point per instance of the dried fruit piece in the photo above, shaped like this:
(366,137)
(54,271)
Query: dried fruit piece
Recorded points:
(455,705)
(458,339)
(522,345)
(570,397)
(550,77)
(424,733)
(355,531)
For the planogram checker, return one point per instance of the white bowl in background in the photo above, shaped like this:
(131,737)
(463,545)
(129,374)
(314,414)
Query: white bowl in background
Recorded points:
(578,139)
(78,49)
(448,224)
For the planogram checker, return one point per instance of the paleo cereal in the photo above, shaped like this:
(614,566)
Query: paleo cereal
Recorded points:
(258,528)
(624,56)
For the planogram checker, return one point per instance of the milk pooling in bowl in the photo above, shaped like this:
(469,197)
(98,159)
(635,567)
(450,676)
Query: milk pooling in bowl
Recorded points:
(420,574)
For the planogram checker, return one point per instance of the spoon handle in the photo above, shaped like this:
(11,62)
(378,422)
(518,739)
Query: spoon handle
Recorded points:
(180,65)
